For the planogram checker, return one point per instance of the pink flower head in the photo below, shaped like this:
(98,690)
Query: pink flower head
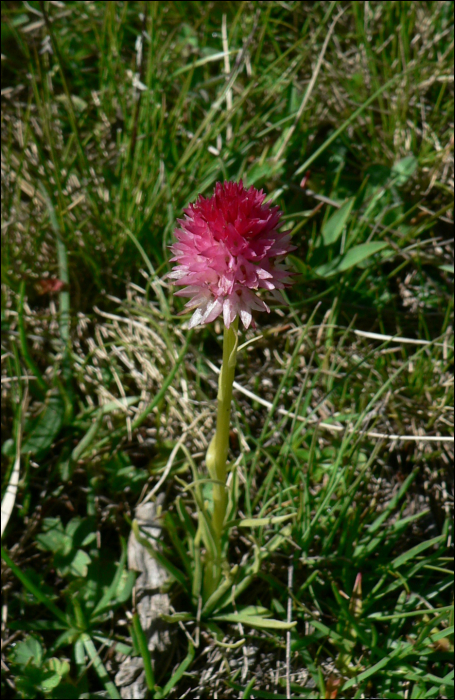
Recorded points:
(228,248)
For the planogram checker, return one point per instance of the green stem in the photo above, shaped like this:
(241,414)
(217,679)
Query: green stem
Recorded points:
(99,667)
(218,449)
(145,653)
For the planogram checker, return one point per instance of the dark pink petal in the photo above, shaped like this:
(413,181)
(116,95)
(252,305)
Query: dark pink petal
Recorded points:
(227,246)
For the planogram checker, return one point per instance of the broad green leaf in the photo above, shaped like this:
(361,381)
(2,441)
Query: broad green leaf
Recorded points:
(404,169)
(9,448)
(28,651)
(34,589)
(126,587)
(353,257)
(53,537)
(333,228)
(447,268)
(79,564)
(329,268)
(255,616)
(46,427)
(19,20)
(50,681)
(359,253)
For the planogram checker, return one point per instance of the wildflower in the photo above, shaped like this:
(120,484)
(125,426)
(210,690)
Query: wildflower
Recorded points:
(228,248)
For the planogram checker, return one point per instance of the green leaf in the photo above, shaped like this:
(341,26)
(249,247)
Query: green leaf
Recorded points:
(257,622)
(145,652)
(373,669)
(411,553)
(28,651)
(404,169)
(46,428)
(255,616)
(447,268)
(79,564)
(328,268)
(19,20)
(333,228)
(36,625)
(112,590)
(353,257)
(53,538)
(414,613)
(256,610)
(298,264)
(35,590)
(126,587)
(177,617)
(99,667)
(50,681)
(440,635)
(262,522)
(161,559)
(259,171)
(221,591)
(359,253)
(186,663)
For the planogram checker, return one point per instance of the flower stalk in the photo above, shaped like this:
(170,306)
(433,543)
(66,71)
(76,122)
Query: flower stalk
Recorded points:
(228,249)
(218,449)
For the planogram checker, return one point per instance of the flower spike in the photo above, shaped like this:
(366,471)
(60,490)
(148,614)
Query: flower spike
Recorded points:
(228,248)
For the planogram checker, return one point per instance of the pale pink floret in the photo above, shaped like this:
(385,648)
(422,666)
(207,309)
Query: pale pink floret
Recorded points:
(229,245)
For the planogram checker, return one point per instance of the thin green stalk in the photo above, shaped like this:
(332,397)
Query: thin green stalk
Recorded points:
(219,446)
(145,653)
(186,663)
(99,667)
(218,450)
